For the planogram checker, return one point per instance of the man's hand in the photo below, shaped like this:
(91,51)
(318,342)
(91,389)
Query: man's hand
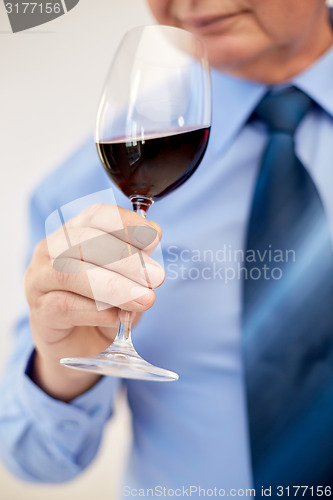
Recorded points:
(75,284)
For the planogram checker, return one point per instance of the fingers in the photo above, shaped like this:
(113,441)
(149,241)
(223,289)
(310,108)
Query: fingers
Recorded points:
(92,245)
(120,222)
(78,329)
(69,310)
(104,250)
(100,256)
(106,288)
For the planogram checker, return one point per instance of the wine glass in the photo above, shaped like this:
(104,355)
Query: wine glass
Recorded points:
(152,131)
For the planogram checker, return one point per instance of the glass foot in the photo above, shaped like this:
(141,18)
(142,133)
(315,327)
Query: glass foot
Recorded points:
(120,364)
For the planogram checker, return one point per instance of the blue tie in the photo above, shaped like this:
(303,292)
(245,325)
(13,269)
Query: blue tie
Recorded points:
(288,313)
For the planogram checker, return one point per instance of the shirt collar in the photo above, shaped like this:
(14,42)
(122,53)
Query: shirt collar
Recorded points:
(316,81)
(234,99)
(233,102)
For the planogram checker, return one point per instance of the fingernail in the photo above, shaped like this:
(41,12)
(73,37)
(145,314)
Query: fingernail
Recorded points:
(154,275)
(141,295)
(144,235)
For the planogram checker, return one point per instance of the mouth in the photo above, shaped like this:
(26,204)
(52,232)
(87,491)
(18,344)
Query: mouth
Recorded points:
(209,24)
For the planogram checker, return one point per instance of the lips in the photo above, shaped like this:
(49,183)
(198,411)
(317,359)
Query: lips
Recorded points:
(206,24)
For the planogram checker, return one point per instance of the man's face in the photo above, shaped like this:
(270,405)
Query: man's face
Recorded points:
(251,38)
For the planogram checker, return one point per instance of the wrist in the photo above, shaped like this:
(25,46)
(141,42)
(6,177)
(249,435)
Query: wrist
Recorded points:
(58,381)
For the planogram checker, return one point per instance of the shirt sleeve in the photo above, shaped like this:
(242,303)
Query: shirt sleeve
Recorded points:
(43,439)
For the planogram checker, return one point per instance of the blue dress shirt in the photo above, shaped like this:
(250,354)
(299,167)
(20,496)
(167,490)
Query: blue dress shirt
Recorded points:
(191,433)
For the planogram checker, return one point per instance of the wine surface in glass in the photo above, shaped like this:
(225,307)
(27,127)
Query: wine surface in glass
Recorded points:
(154,166)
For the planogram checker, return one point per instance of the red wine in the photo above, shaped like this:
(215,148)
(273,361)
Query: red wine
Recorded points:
(155,166)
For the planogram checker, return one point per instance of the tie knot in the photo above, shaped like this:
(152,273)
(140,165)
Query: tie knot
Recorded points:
(283,111)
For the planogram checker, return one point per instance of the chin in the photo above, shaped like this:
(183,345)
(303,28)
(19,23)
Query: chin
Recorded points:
(227,56)
(234,57)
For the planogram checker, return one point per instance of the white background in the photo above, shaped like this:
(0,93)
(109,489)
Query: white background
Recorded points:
(50,84)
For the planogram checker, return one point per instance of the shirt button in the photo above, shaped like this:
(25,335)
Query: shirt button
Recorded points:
(69,425)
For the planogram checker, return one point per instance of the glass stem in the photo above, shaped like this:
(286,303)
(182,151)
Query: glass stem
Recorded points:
(123,338)
(124,334)
(141,204)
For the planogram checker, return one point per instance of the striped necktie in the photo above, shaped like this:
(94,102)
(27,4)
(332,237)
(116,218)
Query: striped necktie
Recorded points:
(288,312)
